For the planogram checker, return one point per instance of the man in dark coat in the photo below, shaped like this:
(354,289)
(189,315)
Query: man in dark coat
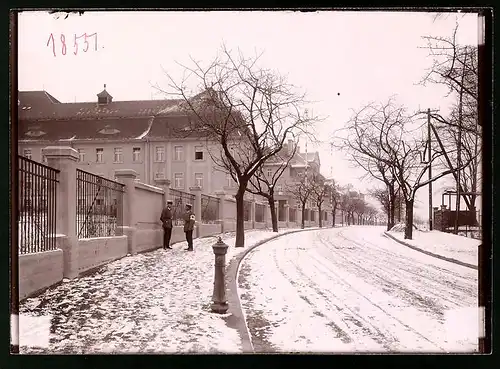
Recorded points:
(189,220)
(166,220)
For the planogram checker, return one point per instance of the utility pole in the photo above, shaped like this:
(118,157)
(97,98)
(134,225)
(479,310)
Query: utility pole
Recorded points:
(429,161)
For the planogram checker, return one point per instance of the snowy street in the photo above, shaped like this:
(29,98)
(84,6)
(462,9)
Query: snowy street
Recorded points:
(352,289)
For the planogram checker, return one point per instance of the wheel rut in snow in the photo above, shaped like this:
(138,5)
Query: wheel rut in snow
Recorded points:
(425,279)
(351,319)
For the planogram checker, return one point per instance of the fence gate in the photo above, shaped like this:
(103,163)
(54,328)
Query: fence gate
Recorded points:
(36,206)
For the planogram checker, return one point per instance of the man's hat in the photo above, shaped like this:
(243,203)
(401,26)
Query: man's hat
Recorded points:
(169,202)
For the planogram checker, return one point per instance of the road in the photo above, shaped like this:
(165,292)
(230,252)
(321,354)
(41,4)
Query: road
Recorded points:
(351,289)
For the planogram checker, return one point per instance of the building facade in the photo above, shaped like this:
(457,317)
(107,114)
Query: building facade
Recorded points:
(146,136)
(112,135)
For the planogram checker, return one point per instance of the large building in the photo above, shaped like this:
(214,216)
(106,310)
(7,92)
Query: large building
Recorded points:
(108,135)
(144,135)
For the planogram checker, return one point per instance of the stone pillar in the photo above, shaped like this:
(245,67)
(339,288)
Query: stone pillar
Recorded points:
(165,185)
(196,191)
(64,159)
(287,215)
(252,212)
(222,196)
(127,177)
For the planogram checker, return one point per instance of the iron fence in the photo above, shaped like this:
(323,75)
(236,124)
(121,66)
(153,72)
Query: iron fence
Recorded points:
(259,213)
(209,209)
(179,201)
(247,209)
(99,209)
(36,206)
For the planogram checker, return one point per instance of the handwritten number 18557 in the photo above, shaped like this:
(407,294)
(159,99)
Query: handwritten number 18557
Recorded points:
(83,37)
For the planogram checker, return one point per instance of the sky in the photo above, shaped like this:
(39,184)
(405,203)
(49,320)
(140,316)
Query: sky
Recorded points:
(341,59)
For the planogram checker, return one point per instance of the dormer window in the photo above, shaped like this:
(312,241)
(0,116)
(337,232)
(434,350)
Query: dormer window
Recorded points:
(104,98)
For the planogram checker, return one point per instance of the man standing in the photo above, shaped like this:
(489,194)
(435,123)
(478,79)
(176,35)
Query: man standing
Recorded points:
(189,220)
(166,219)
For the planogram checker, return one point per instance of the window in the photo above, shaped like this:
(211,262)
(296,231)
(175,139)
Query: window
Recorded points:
(160,174)
(279,188)
(229,180)
(198,153)
(160,153)
(118,155)
(269,172)
(178,153)
(179,180)
(136,154)
(81,155)
(198,179)
(98,154)
(27,153)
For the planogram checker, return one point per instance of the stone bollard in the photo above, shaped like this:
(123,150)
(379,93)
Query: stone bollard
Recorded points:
(219,304)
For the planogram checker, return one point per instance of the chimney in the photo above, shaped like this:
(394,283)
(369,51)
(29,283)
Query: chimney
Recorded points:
(290,146)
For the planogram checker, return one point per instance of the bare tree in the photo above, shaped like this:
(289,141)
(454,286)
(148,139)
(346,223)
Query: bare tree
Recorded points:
(382,196)
(456,67)
(334,199)
(302,190)
(320,191)
(264,185)
(366,154)
(387,133)
(247,111)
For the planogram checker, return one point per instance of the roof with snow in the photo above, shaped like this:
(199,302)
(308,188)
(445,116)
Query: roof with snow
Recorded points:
(43,118)
(111,128)
(40,105)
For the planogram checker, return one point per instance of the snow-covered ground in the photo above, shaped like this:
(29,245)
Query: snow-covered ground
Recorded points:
(353,290)
(153,302)
(460,248)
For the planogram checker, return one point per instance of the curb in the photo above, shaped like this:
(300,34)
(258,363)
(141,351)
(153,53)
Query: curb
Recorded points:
(451,260)
(239,323)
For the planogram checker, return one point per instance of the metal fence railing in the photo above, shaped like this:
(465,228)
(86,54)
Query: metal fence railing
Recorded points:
(259,213)
(36,206)
(99,207)
(209,209)
(179,200)
(247,209)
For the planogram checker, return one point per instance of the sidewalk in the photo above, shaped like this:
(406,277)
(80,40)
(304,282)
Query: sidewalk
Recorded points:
(458,249)
(156,302)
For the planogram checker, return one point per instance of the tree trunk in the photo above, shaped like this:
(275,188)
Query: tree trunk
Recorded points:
(320,215)
(334,211)
(240,219)
(392,208)
(274,217)
(303,210)
(409,219)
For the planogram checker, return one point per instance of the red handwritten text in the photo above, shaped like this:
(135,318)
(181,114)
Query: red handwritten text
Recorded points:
(82,42)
